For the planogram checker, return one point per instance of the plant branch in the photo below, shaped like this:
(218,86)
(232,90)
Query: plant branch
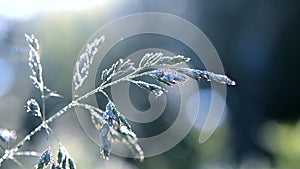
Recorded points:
(10,153)
(170,75)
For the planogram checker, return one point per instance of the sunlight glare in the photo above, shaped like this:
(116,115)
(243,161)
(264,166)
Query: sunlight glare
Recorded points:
(20,9)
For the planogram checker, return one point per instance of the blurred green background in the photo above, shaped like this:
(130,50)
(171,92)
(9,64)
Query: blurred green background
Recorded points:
(257,41)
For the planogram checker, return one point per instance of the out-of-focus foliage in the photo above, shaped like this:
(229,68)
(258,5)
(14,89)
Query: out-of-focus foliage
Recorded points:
(284,141)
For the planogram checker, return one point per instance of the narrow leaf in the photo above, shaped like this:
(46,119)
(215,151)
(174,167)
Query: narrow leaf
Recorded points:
(32,41)
(51,93)
(55,166)
(150,59)
(131,141)
(218,78)
(192,73)
(158,59)
(96,115)
(71,164)
(172,61)
(97,120)
(119,67)
(27,153)
(123,121)
(60,155)
(84,62)
(157,90)
(135,149)
(45,159)
(167,76)
(64,159)
(33,107)
(105,142)
(34,62)
(198,74)
(64,163)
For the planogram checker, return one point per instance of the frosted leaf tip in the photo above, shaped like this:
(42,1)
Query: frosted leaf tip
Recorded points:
(233,83)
